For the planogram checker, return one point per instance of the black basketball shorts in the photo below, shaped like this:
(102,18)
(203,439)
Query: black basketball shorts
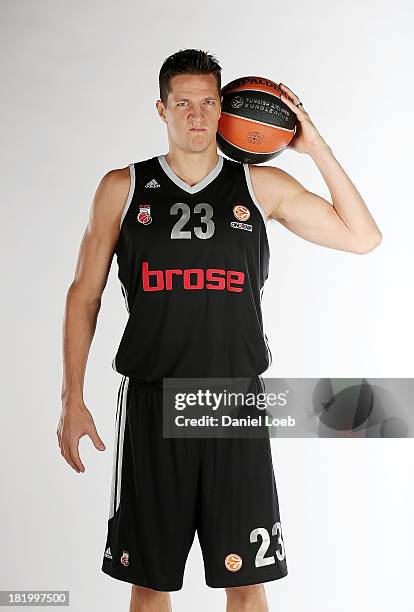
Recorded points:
(165,489)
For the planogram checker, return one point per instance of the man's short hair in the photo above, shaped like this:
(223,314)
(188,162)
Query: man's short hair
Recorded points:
(187,61)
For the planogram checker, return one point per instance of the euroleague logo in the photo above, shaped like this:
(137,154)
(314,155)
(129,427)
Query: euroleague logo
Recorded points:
(237,102)
(233,562)
(144,215)
(242,213)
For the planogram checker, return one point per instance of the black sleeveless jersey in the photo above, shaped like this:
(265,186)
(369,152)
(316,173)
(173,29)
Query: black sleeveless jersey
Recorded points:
(192,265)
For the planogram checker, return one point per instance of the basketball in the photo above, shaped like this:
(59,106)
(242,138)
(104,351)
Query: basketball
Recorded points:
(255,123)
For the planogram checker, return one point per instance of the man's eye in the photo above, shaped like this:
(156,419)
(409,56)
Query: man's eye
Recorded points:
(210,102)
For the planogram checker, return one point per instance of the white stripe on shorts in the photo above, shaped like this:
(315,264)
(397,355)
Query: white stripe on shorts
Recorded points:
(118,447)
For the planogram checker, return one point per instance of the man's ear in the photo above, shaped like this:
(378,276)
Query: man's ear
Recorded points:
(161,110)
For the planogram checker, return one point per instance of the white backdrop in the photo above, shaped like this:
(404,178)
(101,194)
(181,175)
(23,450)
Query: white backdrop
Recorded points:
(79,84)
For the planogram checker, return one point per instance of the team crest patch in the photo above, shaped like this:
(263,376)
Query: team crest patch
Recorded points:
(144,215)
(233,562)
(125,557)
(242,226)
(242,213)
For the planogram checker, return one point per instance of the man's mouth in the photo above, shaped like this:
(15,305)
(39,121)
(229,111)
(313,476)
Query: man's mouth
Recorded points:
(197,129)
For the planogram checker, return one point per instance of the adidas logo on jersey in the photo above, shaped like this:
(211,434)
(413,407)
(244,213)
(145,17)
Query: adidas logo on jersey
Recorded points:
(108,553)
(152,184)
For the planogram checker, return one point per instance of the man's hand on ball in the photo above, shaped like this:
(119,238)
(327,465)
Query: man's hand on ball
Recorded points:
(306,138)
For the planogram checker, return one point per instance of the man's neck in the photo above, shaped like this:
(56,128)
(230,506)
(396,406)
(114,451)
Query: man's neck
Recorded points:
(192,167)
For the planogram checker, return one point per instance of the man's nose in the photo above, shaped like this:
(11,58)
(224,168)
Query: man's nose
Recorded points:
(196,112)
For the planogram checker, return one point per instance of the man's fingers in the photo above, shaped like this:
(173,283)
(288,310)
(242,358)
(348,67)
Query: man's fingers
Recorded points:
(97,442)
(64,451)
(74,453)
(288,91)
(69,443)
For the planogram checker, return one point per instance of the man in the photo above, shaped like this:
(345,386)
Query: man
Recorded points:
(192,280)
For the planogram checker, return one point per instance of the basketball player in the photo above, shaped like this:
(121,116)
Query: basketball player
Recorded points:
(192,281)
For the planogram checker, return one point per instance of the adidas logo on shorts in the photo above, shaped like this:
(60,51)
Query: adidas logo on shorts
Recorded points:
(108,553)
(152,184)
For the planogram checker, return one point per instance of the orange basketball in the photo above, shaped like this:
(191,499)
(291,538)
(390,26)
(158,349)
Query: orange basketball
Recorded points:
(255,123)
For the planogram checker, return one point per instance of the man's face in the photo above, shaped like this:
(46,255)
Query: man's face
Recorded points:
(192,112)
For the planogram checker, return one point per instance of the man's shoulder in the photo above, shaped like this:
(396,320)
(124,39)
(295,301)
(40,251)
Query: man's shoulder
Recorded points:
(123,173)
(270,185)
(112,193)
(267,174)
(116,175)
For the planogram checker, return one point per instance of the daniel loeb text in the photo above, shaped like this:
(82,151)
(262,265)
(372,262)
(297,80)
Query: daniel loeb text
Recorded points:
(227,421)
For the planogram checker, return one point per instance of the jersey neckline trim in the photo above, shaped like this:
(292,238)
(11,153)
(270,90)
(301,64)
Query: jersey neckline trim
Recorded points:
(185,186)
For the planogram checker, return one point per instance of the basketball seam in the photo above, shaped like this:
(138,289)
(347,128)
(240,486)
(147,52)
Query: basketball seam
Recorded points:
(276,127)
